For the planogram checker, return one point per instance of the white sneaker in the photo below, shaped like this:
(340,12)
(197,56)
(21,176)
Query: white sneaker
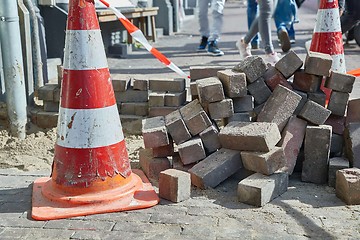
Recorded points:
(244,49)
(272,58)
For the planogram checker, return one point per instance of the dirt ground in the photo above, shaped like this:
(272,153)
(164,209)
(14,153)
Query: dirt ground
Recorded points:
(36,152)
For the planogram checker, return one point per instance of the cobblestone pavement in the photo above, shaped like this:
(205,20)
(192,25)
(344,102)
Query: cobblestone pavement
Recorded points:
(304,211)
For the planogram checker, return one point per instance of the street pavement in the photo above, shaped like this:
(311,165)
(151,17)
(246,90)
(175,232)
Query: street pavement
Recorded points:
(304,211)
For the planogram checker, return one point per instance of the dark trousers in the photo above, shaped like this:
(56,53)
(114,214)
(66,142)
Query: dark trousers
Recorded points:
(351,16)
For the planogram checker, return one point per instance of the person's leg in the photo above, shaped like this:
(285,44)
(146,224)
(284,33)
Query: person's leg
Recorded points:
(217,7)
(265,13)
(203,6)
(252,10)
(347,21)
(291,32)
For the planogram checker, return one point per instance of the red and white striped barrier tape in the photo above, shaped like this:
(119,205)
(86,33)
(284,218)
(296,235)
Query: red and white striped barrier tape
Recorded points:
(139,36)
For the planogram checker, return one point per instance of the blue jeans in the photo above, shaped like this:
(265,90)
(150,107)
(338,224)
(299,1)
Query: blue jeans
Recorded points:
(252,9)
(285,16)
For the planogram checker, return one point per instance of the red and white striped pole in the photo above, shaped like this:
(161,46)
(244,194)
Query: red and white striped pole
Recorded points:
(327,36)
(139,36)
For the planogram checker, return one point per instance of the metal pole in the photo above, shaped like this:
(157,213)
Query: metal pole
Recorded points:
(35,35)
(13,67)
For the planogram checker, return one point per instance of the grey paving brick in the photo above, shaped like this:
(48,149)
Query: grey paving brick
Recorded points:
(352,143)
(221,109)
(157,99)
(186,220)
(288,64)
(348,185)
(191,151)
(174,185)
(46,92)
(149,227)
(239,117)
(20,222)
(77,225)
(317,151)
(279,107)
(198,72)
(27,233)
(210,90)
(177,127)
(130,216)
(314,113)
(337,145)
(264,162)
(234,83)
(140,84)
(353,111)
(131,95)
(258,189)
(337,123)
(256,136)
(259,90)
(154,132)
(254,67)
(215,168)
(302,102)
(243,104)
(318,64)
(340,82)
(338,102)
(161,111)
(210,139)
(319,97)
(175,99)
(335,164)
(167,85)
(120,83)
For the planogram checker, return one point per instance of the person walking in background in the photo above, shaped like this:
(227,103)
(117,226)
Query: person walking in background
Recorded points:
(252,9)
(285,16)
(210,36)
(260,25)
(349,14)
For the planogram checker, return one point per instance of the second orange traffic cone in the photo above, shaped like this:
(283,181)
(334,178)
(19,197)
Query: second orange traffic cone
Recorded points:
(91,170)
(327,37)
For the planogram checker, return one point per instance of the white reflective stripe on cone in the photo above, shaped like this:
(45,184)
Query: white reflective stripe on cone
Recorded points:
(85,50)
(89,128)
(329,20)
(338,63)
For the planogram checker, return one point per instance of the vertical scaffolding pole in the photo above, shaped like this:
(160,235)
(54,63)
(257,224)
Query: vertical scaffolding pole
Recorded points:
(13,67)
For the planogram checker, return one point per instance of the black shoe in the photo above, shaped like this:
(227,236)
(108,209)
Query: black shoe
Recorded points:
(203,44)
(284,40)
(214,50)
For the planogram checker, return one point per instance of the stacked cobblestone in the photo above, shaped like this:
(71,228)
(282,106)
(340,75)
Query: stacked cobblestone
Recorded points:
(137,98)
(47,116)
(266,120)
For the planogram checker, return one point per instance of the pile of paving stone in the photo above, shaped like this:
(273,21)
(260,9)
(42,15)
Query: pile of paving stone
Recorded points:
(137,98)
(263,121)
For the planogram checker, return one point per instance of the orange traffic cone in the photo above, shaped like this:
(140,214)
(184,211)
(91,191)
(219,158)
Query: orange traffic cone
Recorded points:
(327,37)
(91,170)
